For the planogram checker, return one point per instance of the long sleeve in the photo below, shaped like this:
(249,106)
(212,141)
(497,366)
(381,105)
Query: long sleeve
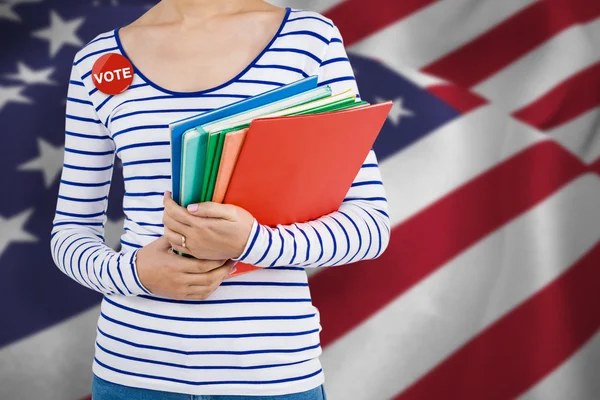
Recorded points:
(359,230)
(77,242)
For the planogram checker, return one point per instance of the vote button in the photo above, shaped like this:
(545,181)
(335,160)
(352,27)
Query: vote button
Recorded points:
(112,73)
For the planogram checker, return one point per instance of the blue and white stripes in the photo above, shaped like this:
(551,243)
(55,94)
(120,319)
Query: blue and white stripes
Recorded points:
(258,334)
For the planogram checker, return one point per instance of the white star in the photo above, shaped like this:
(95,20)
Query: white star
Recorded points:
(49,162)
(112,233)
(29,76)
(7,12)
(11,230)
(12,93)
(398,111)
(60,32)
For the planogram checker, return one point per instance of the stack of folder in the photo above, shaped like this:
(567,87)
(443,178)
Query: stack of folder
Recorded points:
(288,155)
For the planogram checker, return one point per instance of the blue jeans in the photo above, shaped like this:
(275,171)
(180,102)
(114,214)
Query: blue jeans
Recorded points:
(104,390)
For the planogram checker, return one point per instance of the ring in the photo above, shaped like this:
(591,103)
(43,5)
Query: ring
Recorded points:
(183,241)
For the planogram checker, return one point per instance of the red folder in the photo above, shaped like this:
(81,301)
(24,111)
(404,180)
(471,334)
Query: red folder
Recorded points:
(297,169)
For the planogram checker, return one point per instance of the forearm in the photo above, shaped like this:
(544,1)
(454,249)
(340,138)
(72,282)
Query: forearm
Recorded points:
(359,230)
(87,260)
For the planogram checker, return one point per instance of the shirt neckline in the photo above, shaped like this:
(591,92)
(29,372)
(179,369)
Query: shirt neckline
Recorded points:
(220,86)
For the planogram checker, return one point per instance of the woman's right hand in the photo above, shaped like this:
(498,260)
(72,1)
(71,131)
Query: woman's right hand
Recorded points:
(167,274)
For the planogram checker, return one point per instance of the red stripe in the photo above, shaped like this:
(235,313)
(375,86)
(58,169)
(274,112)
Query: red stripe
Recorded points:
(347,296)
(571,98)
(462,100)
(524,346)
(357,19)
(513,38)
(595,167)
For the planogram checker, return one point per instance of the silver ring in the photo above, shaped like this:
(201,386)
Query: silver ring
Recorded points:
(183,241)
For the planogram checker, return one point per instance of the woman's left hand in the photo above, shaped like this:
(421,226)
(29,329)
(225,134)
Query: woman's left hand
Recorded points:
(212,231)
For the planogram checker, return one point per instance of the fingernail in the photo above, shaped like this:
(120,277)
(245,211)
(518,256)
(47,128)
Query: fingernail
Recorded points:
(192,207)
(233,271)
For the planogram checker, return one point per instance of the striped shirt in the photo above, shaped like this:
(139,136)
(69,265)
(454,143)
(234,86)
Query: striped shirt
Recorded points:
(257,334)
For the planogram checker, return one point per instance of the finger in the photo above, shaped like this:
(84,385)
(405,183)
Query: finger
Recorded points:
(162,243)
(177,227)
(175,211)
(200,254)
(194,266)
(173,237)
(200,292)
(213,210)
(216,275)
(203,267)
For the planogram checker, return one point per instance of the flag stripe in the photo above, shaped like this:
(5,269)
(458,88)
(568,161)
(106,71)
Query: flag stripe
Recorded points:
(574,379)
(484,137)
(373,17)
(581,135)
(596,167)
(416,41)
(560,105)
(420,245)
(567,52)
(463,100)
(466,66)
(514,353)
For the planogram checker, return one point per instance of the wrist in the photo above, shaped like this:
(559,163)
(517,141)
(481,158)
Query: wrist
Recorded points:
(138,261)
(250,239)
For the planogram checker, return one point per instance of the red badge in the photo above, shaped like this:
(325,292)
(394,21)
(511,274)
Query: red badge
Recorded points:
(112,73)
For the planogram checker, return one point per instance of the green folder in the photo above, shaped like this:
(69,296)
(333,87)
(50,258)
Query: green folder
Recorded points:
(193,156)
(211,149)
(215,165)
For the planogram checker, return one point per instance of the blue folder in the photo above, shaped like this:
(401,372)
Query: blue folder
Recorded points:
(178,128)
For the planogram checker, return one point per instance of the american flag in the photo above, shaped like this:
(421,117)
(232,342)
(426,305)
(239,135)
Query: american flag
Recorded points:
(490,287)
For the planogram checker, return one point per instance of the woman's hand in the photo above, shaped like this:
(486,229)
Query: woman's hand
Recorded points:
(170,275)
(212,231)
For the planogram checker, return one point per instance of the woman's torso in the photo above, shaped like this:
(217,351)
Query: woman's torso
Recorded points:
(258,333)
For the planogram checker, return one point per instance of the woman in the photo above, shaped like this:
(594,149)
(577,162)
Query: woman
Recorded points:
(173,327)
